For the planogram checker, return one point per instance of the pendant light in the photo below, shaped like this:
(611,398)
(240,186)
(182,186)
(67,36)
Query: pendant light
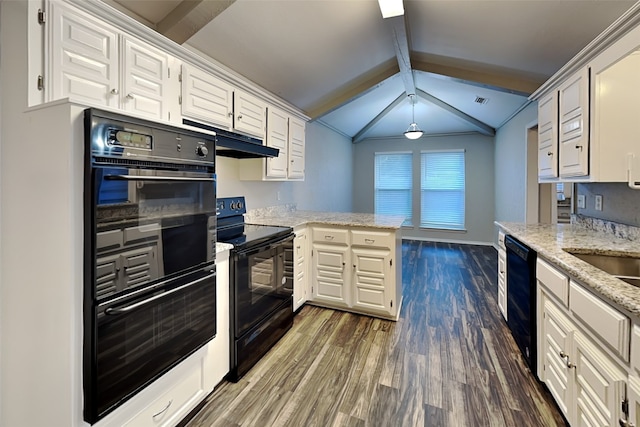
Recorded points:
(414,131)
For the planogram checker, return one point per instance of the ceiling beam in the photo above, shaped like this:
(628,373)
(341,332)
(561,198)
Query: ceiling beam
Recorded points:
(483,128)
(189,17)
(474,73)
(361,135)
(401,46)
(353,89)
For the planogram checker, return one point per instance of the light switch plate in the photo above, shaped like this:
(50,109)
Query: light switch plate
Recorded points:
(581,201)
(598,206)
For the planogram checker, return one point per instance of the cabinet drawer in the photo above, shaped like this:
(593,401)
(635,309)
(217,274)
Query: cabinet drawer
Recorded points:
(141,232)
(553,280)
(173,405)
(611,325)
(381,239)
(111,239)
(331,235)
(635,348)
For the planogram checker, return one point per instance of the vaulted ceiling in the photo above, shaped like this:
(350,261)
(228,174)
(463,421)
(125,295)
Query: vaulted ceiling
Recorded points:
(472,63)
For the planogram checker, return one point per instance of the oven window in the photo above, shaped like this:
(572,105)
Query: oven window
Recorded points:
(150,225)
(260,285)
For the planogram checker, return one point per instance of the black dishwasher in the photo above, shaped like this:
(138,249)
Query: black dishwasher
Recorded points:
(521,298)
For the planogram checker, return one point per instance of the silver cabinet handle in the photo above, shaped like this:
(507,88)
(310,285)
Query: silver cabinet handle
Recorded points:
(369,241)
(239,116)
(570,365)
(549,153)
(157,414)
(563,355)
(130,96)
(114,91)
(328,237)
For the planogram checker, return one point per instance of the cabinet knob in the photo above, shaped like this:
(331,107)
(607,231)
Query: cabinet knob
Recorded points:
(563,355)
(130,96)
(549,153)
(239,116)
(114,91)
(578,147)
(571,365)
(230,114)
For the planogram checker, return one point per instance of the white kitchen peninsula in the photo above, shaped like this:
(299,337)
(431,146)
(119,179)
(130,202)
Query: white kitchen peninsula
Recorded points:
(348,261)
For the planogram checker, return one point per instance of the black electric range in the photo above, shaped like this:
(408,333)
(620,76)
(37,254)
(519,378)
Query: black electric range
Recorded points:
(260,281)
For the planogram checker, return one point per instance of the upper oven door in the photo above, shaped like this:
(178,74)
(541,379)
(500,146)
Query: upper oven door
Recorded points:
(149,225)
(260,283)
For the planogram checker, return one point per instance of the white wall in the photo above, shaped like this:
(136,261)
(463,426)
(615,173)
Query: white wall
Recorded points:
(479,173)
(511,166)
(2,61)
(328,176)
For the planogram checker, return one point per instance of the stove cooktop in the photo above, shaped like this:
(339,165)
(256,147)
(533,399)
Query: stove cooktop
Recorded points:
(255,235)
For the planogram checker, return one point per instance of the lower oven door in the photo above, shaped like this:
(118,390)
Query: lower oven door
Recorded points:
(141,336)
(261,283)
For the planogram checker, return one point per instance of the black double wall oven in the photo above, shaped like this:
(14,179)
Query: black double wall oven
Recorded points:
(150,235)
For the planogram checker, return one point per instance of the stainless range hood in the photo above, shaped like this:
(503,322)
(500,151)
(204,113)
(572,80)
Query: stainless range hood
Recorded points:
(231,144)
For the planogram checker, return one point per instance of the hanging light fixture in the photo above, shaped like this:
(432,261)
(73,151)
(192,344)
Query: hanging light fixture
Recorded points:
(414,131)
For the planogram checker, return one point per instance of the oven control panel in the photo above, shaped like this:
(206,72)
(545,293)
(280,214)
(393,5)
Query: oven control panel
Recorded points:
(230,206)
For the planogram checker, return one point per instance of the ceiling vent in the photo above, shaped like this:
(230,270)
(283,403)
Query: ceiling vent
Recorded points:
(481,100)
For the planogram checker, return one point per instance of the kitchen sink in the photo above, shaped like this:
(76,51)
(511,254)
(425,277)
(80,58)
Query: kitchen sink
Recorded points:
(623,267)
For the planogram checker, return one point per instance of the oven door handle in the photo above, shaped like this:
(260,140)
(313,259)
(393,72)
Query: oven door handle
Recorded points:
(157,178)
(266,247)
(128,308)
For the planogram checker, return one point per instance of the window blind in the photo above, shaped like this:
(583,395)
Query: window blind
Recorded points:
(442,185)
(393,184)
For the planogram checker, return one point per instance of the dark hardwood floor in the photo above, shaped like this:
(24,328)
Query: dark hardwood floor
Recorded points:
(449,360)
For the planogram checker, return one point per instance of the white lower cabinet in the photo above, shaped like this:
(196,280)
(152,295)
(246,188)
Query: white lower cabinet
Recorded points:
(357,270)
(581,364)
(300,274)
(633,396)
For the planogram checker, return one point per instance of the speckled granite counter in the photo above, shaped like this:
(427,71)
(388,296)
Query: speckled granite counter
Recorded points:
(298,218)
(552,241)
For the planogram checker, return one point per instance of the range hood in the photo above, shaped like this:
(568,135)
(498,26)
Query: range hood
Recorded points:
(231,144)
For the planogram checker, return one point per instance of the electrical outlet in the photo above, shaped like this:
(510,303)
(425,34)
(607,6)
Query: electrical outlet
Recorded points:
(598,206)
(581,201)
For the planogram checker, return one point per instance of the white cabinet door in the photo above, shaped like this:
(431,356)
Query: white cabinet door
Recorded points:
(145,79)
(370,280)
(502,282)
(299,269)
(599,385)
(206,98)
(574,124)
(83,58)
(330,278)
(548,136)
(633,395)
(296,148)
(277,137)
(249,114)
(556,338)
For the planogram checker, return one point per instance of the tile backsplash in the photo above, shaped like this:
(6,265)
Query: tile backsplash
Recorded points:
(620,204)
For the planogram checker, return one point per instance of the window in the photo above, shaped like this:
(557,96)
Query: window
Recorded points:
(442,183)
(393,177)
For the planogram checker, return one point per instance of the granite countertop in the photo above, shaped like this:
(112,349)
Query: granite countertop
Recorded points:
(221,247)
(551,241)
(299,218)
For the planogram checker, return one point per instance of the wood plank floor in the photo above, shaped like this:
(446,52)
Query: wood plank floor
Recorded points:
(449,361)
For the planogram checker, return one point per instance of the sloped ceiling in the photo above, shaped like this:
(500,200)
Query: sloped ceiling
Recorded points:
(335,59)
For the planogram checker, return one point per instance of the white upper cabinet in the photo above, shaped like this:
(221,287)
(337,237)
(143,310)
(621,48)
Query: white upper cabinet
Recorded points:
(548,136)
(146,85)
(95,63)
(277,137)
(82,57)
(249,114)
(206,97)
(573,97)
(296,149)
